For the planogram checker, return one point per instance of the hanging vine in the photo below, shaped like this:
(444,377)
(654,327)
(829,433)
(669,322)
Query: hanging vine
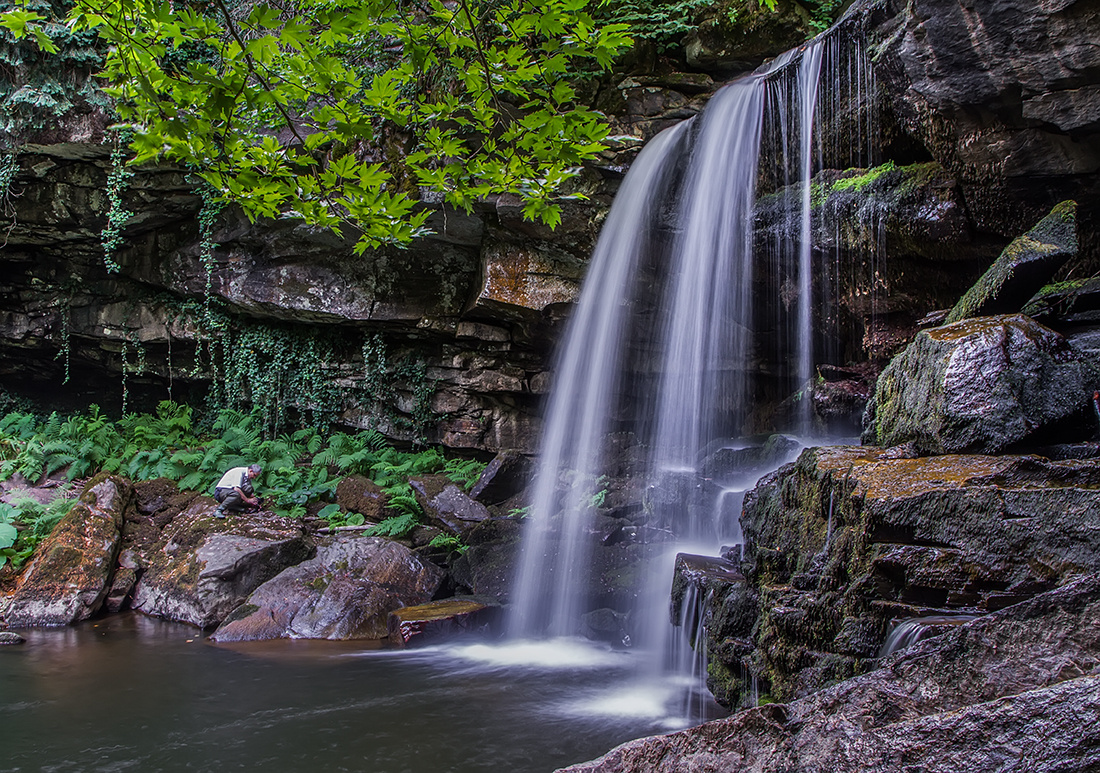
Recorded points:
(208,217)
(118,180)
(65,304)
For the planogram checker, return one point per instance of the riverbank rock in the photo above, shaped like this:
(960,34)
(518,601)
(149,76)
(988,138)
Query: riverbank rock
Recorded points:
(1017,690)
(10,637)
(199,568)
(346,591)
(1025,267)
(847,539)
(980,386)
(70,574)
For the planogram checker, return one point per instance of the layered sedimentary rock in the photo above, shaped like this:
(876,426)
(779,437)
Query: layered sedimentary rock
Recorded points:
(847,539)
(1016,690)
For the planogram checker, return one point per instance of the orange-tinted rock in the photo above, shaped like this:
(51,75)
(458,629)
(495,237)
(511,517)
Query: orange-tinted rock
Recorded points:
(70,574)
(437,620)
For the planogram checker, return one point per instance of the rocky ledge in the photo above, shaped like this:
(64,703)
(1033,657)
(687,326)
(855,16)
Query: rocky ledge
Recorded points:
(1016,690)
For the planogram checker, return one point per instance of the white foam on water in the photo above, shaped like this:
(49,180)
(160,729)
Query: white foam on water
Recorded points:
(564,653)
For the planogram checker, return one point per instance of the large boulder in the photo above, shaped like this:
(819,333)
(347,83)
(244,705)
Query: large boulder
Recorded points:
(848,538)
(70,574)
(1017,690)
(359,494)
(447,506)
(1023,268)
(979,386)
(200,568)
(347,591)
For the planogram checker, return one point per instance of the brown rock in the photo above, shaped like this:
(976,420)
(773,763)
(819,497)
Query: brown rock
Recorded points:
(70,575)
(437,620)
(346,592)
(359,494)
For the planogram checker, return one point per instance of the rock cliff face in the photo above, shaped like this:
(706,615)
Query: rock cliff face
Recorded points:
(1003,94)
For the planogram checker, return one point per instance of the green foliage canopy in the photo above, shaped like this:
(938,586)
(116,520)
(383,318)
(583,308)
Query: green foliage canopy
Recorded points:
(339,111)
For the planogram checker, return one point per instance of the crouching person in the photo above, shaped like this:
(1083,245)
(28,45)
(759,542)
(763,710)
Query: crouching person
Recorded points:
(234,491)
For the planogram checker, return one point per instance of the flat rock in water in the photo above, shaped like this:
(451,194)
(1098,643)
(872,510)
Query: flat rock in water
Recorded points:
(438,620)
(202,568)
(70,574)
(346,591)
(10,637)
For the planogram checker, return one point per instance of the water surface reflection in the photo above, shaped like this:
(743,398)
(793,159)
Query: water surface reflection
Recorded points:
(131,693)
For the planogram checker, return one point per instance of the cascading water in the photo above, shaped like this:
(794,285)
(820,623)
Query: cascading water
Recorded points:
(664,345)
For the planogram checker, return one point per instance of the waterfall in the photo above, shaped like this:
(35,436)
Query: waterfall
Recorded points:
(666,340)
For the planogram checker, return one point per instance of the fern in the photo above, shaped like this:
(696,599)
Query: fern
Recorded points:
(396,527)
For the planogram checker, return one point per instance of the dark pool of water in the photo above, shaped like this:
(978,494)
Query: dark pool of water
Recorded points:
(134,694)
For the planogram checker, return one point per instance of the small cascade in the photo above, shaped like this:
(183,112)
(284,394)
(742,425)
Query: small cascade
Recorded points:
(688,655)
(913,630)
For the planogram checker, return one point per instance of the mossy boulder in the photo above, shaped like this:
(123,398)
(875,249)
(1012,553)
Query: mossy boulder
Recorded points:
(980,386)
(1015,690)
(70,575)
(1025,266)
(200,568)
(848,538)
(347,591)
(359,494)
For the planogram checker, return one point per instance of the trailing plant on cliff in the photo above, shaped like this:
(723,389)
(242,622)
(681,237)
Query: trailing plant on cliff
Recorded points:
(285,109)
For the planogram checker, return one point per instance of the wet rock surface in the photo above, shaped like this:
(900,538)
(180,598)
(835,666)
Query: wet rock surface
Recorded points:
(1026,265)
(347,591)
(488,566)
(1002,94)
(1015,690)
(847,539)
(982,385)
(69,577)
(446,619)
(198,569)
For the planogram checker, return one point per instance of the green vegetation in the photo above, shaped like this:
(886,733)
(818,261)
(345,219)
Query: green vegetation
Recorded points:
(25,524)
(300,468)
(859,182)
(374,99)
